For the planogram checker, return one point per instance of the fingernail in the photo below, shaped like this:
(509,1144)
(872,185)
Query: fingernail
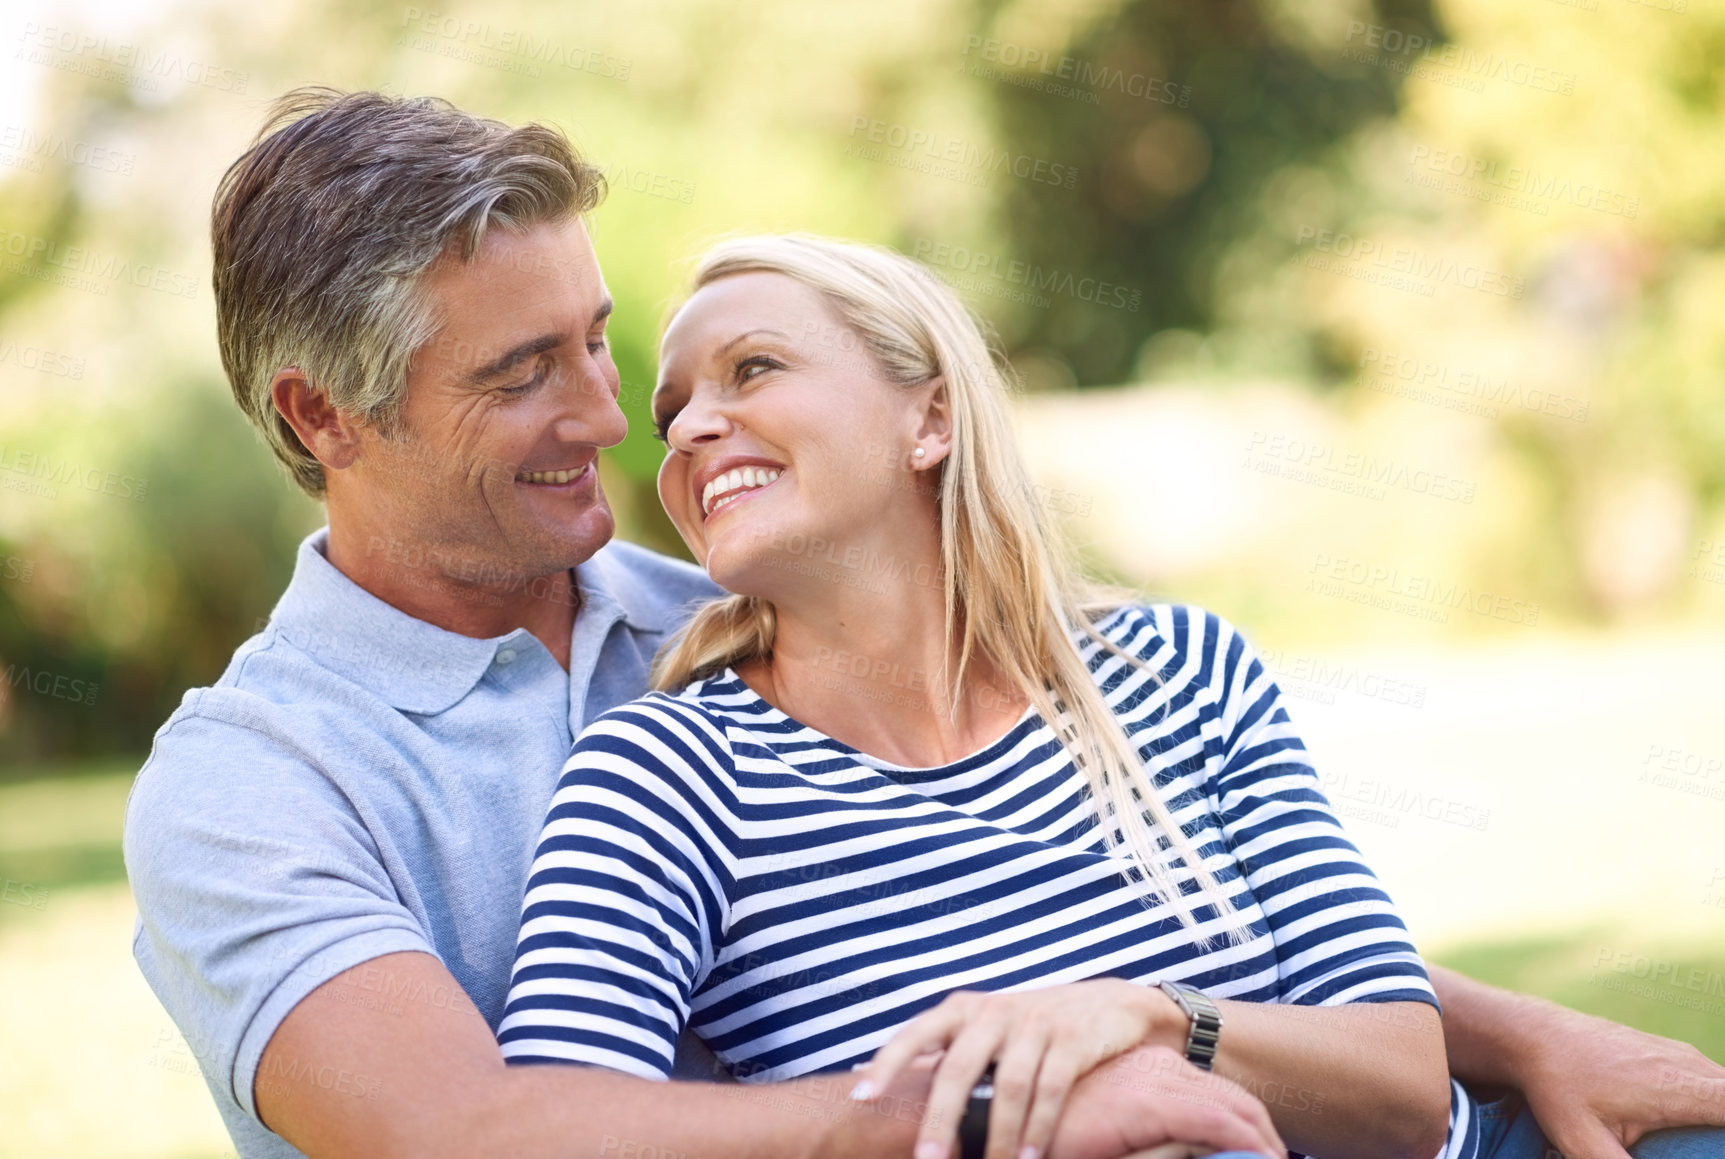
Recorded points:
(1028,1153)
(864,1090)
(930,1149)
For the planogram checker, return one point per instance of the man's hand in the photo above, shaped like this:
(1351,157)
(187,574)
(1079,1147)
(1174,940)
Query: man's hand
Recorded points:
(1151,1096)
(1596,1087)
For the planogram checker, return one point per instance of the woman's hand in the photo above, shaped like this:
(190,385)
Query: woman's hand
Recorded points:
(1041,1042)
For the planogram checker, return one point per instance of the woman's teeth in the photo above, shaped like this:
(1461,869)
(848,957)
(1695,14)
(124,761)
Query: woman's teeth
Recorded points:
(549,476)
(735,483)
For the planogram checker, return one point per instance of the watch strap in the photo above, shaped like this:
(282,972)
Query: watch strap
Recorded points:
(1205,1031)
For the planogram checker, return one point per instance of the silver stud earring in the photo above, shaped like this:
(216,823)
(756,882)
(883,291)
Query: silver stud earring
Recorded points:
(919,452)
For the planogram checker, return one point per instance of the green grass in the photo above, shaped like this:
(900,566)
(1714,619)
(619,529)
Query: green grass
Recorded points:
(62,832)
(1577,970)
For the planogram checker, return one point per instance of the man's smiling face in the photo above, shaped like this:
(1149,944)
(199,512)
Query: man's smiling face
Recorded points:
(506,410)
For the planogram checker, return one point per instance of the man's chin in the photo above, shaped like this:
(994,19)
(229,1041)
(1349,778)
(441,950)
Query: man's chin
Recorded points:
(575,540)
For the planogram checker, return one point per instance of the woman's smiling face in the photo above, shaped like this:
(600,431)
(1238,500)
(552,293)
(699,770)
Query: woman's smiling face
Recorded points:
(783,432)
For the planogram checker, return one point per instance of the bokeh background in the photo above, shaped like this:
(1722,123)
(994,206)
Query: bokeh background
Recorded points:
(1389,330)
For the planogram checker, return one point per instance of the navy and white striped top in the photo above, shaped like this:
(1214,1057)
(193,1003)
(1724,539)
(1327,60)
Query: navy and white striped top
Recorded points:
(709,861)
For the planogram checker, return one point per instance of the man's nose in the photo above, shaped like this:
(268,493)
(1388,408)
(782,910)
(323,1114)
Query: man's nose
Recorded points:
(593,412)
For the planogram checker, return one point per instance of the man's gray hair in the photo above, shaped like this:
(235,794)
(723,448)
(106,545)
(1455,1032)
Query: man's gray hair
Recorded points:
(323,230)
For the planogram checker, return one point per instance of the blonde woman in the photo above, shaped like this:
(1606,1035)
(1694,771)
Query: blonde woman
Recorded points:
(917,787)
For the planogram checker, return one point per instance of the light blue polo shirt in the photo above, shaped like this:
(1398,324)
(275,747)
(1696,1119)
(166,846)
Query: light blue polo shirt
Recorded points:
(359,783)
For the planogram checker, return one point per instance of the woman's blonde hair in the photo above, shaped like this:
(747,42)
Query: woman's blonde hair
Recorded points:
(1012,594)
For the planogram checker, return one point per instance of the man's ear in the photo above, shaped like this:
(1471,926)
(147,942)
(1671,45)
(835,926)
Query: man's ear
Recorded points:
(331,436)
(934,427)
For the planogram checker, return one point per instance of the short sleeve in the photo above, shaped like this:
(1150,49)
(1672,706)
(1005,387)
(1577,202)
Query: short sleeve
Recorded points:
(1338,937)
(627,894)
(255,883)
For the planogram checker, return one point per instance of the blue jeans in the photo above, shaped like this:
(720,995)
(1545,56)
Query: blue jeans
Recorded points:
(1507,1131)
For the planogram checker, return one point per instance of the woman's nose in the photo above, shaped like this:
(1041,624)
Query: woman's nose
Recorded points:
(700,421)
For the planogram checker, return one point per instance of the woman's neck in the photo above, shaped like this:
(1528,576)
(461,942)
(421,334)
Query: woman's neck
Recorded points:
(870,668)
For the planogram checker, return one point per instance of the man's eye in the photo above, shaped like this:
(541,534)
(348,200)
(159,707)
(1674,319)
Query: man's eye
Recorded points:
(524,387)
(595,345)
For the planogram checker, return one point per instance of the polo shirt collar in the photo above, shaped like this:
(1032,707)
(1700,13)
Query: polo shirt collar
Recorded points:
(413,665)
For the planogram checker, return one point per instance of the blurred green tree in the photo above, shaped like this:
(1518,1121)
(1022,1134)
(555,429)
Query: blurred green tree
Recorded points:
(1197,107)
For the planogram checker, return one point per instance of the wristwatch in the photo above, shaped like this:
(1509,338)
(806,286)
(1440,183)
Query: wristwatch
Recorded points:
(1206,1028)
(973,1128)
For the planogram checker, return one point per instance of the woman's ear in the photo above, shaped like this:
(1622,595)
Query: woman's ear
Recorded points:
(934,424)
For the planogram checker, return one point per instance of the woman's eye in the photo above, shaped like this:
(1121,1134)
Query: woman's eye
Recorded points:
(757,362)
(662,428)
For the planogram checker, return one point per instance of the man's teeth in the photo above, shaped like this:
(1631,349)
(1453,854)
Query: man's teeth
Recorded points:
(549,476)
(733,483)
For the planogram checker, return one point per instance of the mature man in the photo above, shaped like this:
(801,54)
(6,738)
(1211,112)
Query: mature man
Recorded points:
(329,846)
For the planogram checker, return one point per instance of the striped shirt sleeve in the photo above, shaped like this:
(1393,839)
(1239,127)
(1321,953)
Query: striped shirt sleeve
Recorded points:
(1338,936)
(626,895)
